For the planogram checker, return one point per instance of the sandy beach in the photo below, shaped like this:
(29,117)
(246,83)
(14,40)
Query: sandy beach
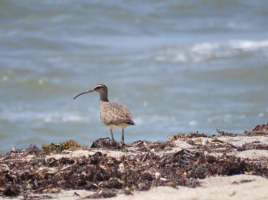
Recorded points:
(233,187)
(193,166)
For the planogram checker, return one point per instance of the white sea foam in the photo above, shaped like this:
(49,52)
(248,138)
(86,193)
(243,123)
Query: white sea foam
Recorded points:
(30,116)
(138,120)
(208,50)
(145,103)
(5,78)
(204,47)
(73,118)
(180,57)
(248,45)
(261,114)
(192,123)
(160,58)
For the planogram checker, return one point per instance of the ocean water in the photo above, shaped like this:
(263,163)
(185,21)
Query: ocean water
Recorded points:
(179,66)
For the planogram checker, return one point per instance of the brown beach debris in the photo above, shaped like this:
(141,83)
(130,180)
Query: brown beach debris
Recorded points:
(260,129)
(58,148)
(108,169)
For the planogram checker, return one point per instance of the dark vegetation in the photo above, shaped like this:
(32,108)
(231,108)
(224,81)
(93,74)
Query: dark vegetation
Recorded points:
(30,171)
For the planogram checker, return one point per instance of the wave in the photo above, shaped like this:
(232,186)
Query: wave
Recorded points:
(210,51)
(248,45)
(47,117)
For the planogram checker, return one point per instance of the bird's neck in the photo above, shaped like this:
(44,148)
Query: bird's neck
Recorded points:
(104,97)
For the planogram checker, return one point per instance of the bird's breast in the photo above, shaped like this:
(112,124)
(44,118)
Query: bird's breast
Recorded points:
(117,126)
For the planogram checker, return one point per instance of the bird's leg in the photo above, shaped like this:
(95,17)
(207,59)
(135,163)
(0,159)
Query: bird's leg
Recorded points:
(123,135)
(111,130)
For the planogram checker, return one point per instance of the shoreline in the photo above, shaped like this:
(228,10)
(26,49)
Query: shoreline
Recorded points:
(194,166)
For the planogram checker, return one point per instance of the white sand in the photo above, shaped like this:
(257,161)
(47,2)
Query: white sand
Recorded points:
(213,188)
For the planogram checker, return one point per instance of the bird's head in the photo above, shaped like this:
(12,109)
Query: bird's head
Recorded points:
(99,88)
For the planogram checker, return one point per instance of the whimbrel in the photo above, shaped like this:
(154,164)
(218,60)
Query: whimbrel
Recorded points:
(113,115)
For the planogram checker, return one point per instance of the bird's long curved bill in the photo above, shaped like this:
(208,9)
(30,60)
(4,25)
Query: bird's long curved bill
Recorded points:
(83,93)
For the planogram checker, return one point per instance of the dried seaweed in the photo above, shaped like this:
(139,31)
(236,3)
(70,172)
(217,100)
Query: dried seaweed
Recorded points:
(224,133)
(107,175)
(257,130)
(106,143)
(191,135)
(263,127)
(30,171)
(58,148)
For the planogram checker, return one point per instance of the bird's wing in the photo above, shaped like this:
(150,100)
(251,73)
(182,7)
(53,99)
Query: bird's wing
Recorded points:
(114,113)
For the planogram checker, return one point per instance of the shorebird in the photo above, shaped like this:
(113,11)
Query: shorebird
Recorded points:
(113,115)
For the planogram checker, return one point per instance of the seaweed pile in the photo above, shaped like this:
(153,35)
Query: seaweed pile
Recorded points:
(32,171)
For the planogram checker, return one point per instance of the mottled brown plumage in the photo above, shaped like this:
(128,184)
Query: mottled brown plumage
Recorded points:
(113,115)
